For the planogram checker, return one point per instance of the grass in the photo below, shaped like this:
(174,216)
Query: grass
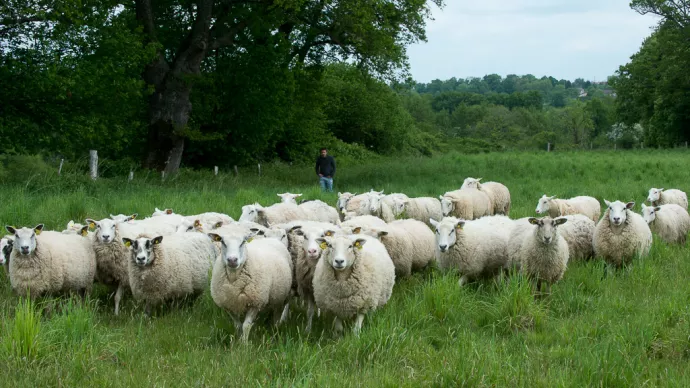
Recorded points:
(630,329)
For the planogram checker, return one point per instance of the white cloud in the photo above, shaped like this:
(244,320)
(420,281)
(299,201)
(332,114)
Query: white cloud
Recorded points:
(566,39)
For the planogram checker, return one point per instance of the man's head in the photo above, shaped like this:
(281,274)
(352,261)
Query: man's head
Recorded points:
(324,152)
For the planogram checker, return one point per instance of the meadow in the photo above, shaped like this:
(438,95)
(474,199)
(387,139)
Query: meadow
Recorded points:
(628,329)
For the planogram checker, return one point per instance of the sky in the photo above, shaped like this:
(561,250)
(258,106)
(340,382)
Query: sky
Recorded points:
(566,39)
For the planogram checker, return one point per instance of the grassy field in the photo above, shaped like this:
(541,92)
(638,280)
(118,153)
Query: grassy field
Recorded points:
(630,329)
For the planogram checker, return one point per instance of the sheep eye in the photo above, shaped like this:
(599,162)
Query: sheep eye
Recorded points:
(451,232)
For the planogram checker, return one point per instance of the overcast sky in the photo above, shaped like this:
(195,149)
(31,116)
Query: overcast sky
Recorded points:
(562,38)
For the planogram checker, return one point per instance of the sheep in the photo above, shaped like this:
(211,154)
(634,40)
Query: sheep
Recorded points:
(420,209)
(158,212)
(319,211)
(410,244)
(341,203)
(73,228)
(377,201)
(621,235)
(360,203)
(542,253)
(123,218)
(289,197)
(275,214)
(578,232)
(662,197)
(553,207)
(166,269)
(497,192)
(354,277)
(467,204)
(475,249)
(252,275)
(355,224)
(671,222)
(6,244)
(50,262)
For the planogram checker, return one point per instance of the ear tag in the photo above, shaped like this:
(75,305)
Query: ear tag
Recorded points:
(92,225)
(358,245)
(323,245)
(197,223)
(84,232)
(217,238)
(127,244)
(328,233)
(218,225)
(250,239)
(38,231)
(168,211)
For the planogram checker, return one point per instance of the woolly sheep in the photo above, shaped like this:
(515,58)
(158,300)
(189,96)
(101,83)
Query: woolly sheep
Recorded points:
(466,204)
(621,234)
(377,201)
(123,218)
(158,212)
(420,209)
(475,249)
(317,210)
(671,222)
(542,253)
(166,269)
(410,244)
(341,203)
(497,192)
(73,228)
(578,232)
(289,197)
(662,197)
(355,224)
(360,203)
(275,214)
(251,276)
(50,262)
(354,277)
(589,206)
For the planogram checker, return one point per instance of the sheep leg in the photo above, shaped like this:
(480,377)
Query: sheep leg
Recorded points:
(248,323)
(286,312)
(118,297)
(338,326)
(310,313)
(147,309)
(236,321)
(357,328)
(463,280)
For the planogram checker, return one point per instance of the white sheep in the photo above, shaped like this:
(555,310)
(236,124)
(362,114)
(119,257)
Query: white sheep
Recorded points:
(466,204)
(583,204)
(316,210)
(123,217)
(73,228)
(176,267)
(377,201)
(279,213)
(671,222)
(158,212)
(289,197)
(410,244)
(542,253)
(50,262)
(498,193)
(341,203)
(475,249)
(621,234)
(420,209)
(252,275)
(578,232)
(355,224)
(360,203)
(662,197)
(354,277)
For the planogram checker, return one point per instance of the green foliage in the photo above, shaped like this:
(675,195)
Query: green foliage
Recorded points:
(20,337)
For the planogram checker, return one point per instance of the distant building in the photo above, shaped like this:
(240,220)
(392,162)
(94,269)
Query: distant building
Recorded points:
(583,93)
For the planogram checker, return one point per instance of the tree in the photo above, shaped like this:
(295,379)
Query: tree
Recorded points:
(675,11)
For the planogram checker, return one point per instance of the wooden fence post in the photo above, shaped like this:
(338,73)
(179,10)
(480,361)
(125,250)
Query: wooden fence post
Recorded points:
(93,163)
(131,175)
(215,170)
(236,172)
(259,169)
(63,161)
(548,147)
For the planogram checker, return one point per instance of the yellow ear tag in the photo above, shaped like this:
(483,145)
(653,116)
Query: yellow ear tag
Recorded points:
(358,245)
(217,238)
(92,225)
(323,245)
(250,239)
(328,233)
(219,224)
(128,244)
(38,231)
(168,211)
(134,216)
(84,232)
(197,223)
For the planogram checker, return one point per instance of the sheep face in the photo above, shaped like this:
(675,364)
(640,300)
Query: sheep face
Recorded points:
(471,183)
(289,197)
(250,213)
(654,195)
(159,212)
(399,206)
(310,245)
(374,200)
(276,233)
(5,249)
(547,228)
(446,232)
(105,229)
(447,205)
(343,199)
(544,204)
(123,218)
(142,249)
(339,252)
(233,249)
(618,211)
(649,213)
(25,238)
(73,228)
(185,226)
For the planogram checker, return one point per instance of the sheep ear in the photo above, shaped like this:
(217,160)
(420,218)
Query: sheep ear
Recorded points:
(132,217)
(644,206)
(91,223)
(214,237)
(70,224)
(294,228)
(84,230)
(433,222)
(10,229)
(656,209)
(298,195)
(218,224)
(382,233)
(560,221)
(552,197)
(329,233)
(630,205)
(440,197)
(356,230)
(460,224)
(168,211)
(322,243)
(359,243)
(533,220)
(197,223)
(340,194)
(157,240)
(257,231)
(607,203)
(661,189)
(478,179)
(127,242)
(38,229)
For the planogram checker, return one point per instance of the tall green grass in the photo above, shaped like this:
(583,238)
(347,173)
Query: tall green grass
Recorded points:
(628,329)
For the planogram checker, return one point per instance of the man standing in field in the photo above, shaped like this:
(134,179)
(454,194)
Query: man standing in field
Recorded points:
(325,169)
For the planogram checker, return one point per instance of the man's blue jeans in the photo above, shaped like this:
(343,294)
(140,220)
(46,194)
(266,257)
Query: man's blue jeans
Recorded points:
(326,183)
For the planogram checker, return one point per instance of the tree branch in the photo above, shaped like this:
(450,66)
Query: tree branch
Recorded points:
(228,39)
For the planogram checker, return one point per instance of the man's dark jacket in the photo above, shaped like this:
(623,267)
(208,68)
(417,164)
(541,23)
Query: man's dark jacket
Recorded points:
(325,166)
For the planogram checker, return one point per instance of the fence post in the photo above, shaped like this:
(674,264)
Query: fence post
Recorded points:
(548,147)
(63,161)
(686,144)
(93,163)
(236,172)
(259,169)
(215,170)
(163,175)
(131,175)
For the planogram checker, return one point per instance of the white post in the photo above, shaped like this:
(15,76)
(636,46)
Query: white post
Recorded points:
(163,175)
(259,169)
(131,175)
(236,172)
(686,144)
(93,164)
(215,170)
(63,161)
(548,147)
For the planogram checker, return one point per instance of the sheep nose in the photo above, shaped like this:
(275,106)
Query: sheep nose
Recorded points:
(141,259)
(443,247)
(232,260)
(25,249)
(616,219)
(312,251)
(339,263)
(547,239)
(538,211)
(106,237)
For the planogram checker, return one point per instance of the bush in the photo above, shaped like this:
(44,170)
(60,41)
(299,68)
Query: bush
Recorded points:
(22,168)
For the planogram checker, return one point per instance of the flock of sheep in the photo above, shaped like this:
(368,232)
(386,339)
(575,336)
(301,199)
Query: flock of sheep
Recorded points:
(343,261)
